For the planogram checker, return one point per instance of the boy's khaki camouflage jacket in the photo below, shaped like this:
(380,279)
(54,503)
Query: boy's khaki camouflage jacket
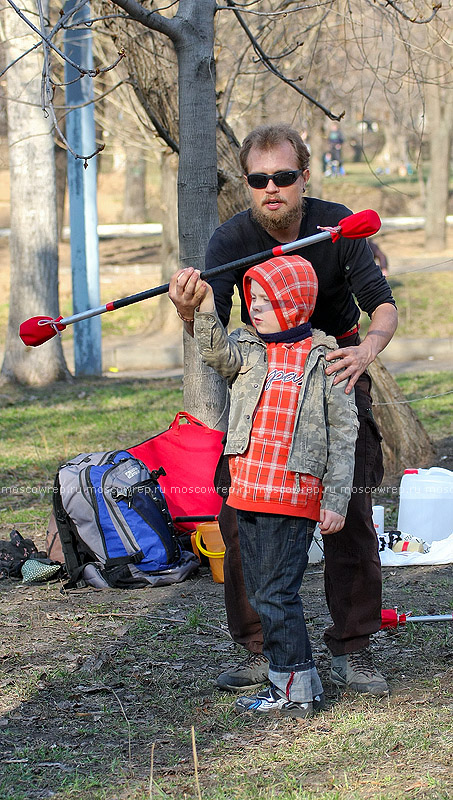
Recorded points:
(325,430)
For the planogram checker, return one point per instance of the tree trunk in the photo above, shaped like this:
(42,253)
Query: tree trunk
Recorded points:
(315,140)
(61,166)
(204,390)
(406,444)
(165,320)
(440,120)
(61,172)
(134,208)
(393,157)
(233,195)
(34,230)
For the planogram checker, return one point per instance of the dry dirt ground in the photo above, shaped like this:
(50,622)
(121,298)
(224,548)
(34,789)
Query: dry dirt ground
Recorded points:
(92,679)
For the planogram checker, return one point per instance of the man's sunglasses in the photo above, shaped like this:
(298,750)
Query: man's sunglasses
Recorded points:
(259,180)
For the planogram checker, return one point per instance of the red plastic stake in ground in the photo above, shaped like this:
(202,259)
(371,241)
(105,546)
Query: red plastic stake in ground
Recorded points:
(391,618)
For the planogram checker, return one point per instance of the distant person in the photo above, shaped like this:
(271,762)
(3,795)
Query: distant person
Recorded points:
(357,150)
(327,163)
(380,256)
(336,143)
(291,442)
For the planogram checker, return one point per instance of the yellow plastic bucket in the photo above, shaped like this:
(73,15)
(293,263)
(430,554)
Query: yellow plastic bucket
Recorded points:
(213,547)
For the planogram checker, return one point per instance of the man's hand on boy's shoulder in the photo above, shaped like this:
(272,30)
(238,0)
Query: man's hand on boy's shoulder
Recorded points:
(330,522)
(350,363)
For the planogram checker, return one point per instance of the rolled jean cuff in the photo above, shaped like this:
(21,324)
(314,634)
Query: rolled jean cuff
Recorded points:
(300,686)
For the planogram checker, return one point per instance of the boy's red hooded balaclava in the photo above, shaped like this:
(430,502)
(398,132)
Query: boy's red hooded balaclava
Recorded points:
(291,285)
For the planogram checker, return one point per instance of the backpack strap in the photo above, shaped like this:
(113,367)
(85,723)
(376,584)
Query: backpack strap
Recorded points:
(119,561)
(67,536)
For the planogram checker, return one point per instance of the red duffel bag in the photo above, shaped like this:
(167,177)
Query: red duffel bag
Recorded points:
(189,452)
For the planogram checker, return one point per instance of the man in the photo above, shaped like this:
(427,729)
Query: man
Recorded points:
(335,143)
(275,163)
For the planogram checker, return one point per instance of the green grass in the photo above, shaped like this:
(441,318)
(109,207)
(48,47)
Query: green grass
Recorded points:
(363,176)
(424,304)
(435,413)
(353,754)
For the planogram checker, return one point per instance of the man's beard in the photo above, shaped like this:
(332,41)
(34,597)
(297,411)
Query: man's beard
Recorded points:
(281,221)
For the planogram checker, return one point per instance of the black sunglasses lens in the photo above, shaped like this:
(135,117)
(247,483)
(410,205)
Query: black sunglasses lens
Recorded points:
(259,180)
(286,178)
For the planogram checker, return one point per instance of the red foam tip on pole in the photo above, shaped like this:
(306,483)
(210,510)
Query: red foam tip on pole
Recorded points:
(358,226)
(389,618)
(37,330)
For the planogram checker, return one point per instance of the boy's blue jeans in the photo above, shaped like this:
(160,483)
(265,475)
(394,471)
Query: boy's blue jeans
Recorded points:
(274,552)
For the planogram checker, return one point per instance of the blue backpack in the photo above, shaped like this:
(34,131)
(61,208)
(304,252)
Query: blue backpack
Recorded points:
(114,524)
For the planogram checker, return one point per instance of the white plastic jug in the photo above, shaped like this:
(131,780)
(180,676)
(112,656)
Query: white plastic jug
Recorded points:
(378,520)
(426,503)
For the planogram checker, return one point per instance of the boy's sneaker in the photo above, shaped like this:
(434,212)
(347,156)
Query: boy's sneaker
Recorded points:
(274,701)
(249,674)
(357,672)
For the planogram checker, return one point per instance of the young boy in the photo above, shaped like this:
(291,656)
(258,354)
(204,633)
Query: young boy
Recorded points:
(291,440)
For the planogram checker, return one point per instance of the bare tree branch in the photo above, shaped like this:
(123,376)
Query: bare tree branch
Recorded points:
(46,41)
(413,20)
(267,62)
(245,8)
(161,131)
(22,55)
(150,19)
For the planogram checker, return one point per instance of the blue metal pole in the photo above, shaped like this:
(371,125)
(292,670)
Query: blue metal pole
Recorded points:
(80,133)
